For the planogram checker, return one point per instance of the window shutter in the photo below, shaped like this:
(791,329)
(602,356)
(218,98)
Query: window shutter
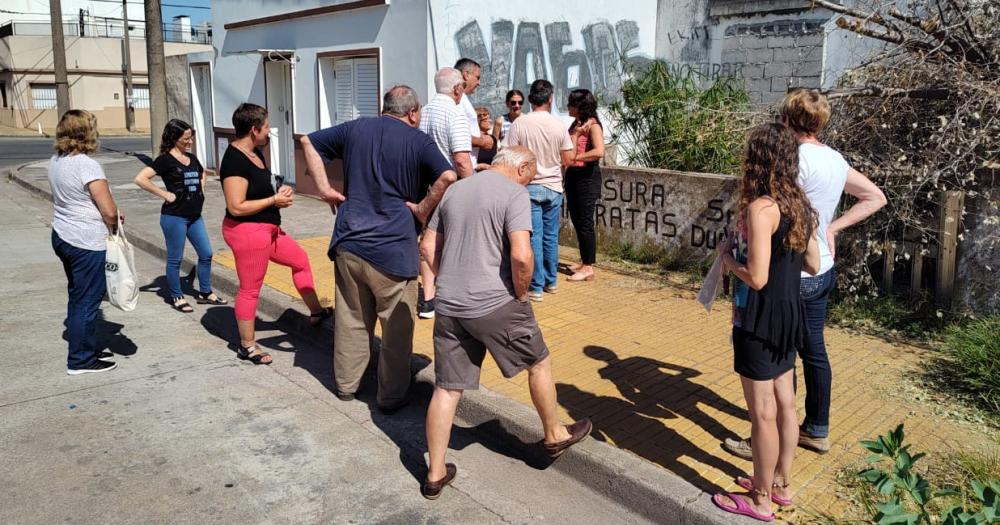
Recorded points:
(343,72)
(366,87)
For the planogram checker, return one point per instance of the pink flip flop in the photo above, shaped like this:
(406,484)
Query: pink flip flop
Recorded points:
(747,484)
(742,508)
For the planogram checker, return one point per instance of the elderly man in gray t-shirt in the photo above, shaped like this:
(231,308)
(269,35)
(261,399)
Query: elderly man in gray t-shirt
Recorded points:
(479,246)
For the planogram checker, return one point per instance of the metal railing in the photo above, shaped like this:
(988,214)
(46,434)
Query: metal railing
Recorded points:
(109,29)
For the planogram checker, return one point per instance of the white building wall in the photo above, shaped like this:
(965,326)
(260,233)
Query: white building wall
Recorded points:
(397,29)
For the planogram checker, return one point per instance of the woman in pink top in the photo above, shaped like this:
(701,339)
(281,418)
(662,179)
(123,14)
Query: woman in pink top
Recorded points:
(583,178)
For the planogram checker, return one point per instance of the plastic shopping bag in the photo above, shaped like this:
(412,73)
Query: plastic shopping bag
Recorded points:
(713,283)
(120,271)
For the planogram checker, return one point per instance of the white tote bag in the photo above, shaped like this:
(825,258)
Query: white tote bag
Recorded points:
(119,269)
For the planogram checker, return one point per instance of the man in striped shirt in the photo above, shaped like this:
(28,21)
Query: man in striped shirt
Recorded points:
(444,121)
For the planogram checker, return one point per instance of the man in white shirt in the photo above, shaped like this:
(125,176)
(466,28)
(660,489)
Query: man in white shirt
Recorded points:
(446,124)
(471,72)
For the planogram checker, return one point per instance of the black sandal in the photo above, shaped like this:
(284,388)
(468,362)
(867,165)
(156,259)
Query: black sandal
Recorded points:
(257,358)
(209,298)
(181,305)
(317,318)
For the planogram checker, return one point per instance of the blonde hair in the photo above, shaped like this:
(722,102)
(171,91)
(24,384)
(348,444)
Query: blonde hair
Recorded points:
(77,133)
(806,111)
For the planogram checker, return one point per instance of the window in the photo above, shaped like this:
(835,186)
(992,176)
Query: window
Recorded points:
(140,97)
(3,93)
(349,89)
(43,96)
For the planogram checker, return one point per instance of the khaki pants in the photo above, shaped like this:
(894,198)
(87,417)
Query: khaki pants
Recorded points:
(364,295)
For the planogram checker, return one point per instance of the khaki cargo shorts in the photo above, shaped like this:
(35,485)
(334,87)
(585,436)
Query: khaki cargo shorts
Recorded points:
(510,333)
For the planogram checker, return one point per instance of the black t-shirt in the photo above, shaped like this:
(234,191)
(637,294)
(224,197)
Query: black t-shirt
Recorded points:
(184,182)
(236,164)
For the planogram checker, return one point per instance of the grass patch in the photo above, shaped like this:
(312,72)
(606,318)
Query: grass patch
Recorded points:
(969,363)
(917,320)
(655,259)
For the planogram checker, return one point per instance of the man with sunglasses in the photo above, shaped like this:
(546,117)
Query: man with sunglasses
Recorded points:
(471,72)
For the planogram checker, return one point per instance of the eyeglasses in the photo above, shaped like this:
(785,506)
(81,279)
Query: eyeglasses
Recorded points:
(484,117)
(515,103)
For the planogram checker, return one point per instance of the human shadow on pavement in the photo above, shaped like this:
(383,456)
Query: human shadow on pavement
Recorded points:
(627,428)
(220,321)
(160,288)
(664,390)
(650,393)
(109,336)
(406,429)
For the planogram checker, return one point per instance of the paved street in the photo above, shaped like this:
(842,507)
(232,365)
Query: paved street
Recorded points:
(183,432)
(15,151)
(639,357)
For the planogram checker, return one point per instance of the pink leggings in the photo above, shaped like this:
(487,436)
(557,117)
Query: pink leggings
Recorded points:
(253,245)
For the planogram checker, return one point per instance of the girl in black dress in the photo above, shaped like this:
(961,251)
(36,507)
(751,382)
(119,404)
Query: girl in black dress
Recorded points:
(774,244)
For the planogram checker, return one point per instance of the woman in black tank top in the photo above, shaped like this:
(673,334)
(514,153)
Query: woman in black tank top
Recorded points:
(774,244)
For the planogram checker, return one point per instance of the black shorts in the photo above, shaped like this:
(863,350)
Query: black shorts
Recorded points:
(757,359)
(510,333)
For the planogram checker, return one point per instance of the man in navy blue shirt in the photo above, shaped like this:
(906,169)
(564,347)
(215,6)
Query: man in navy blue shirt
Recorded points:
(394,177)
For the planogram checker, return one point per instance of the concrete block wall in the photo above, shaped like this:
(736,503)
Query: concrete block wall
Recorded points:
(771,45)
(776,55)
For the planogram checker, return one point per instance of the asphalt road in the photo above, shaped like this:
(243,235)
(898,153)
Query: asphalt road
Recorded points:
(15,151)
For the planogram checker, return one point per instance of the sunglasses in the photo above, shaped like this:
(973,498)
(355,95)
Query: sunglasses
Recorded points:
(515,103)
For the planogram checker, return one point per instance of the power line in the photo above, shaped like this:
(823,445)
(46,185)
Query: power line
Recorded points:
(161,5)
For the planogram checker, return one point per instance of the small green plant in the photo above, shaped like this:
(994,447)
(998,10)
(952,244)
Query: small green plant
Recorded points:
(909,496)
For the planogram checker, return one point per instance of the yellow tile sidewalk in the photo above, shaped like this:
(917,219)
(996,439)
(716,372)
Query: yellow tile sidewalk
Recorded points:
(654,372)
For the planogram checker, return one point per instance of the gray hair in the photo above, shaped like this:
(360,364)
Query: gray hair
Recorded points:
(446,79)
(513,156)
(400,101)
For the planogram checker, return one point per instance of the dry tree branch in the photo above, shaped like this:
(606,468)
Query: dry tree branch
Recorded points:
(875,91)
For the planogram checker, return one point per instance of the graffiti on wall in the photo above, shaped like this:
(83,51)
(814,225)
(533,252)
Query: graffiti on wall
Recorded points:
(516,57)
(665,213)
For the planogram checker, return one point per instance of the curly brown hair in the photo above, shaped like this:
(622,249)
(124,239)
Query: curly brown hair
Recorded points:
(771,169)
(77,133)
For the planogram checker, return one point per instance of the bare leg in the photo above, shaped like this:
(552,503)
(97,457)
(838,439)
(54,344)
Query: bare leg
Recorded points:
(312,302)
(248,337)
(764,438)
(440,417)
(543,395)
(427,280)
(247,331)
(788,433)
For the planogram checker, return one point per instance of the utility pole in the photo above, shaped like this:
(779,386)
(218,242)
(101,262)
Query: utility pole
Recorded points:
(157,71)
(129,103)
(59,56)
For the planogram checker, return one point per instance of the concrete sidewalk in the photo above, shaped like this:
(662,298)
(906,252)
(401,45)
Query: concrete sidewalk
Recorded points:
(646,363)
(183,432)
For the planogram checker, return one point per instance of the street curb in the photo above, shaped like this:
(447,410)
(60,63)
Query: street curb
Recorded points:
(612,473)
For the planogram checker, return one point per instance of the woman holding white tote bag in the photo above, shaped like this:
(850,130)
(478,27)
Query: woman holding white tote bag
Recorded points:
(84,213)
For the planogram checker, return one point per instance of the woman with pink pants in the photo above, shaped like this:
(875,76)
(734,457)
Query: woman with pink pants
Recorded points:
(252,228)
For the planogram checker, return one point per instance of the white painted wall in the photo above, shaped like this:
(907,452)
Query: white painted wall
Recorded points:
(397,29)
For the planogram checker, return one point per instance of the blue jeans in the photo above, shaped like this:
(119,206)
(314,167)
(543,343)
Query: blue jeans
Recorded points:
(546,206)
(175,230)
(815,292)
(87,286)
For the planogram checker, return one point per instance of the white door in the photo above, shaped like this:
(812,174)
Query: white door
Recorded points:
(201,102)
(278,83)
